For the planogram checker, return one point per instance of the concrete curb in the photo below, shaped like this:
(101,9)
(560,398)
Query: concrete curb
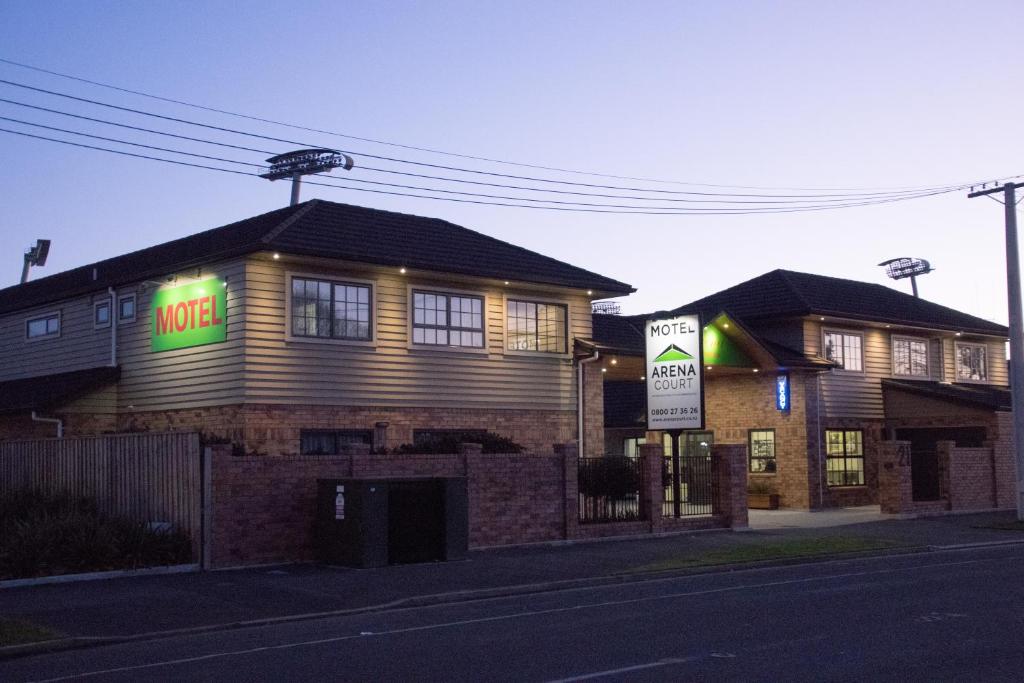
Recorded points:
(456,597)
(100,576)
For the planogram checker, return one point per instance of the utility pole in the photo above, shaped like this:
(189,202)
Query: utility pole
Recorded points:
(1016,329)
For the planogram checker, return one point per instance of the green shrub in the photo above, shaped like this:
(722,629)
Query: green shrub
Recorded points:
(47,534)
(449,443)
(609,477)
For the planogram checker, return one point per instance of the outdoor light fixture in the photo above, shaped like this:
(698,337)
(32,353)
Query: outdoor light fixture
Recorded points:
(903,267)
(302,162)
(604,369)
(959,333)
(822,318)
(707,367)
(276,256)
(589,292)
(35,256)
(402,271)
(756,370)
(725,325)
(506,282)
(615,361)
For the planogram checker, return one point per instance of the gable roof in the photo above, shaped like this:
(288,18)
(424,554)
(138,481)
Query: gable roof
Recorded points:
(326,229)
(786,293)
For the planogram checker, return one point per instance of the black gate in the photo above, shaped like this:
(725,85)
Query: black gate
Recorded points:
(925,475)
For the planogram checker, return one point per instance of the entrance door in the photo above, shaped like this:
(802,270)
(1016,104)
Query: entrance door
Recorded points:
(925,472)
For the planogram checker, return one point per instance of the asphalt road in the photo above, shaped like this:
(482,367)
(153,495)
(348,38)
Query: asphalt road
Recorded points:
(951,615)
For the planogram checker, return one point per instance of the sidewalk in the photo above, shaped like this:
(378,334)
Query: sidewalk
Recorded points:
(131,606)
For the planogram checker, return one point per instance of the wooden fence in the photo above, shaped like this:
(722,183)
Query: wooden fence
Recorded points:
(147,477)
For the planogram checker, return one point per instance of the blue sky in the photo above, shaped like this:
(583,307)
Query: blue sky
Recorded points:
(779,94)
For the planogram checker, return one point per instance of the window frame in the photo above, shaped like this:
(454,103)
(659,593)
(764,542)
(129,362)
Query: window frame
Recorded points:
(846,456)
(893,339)
(121,298)
(413,289)
(536,300)
(825,331)
(957,345)
(96,306)
(773,459)
(48,335)
(334,433)
(333,279)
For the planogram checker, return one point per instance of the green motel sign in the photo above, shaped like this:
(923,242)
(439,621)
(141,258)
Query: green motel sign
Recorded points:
(190,315)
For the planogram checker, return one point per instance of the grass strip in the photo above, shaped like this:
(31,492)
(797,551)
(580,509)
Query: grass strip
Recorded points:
(19,632)
(772,550)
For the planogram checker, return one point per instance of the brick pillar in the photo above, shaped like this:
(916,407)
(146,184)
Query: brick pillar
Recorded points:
(217,488)
(571,502)
(731,462)
(593,409)
(653,494)
(1005,462)
(895,493)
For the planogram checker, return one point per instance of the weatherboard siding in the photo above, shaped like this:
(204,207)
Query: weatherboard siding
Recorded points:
(859,394)
(390,373)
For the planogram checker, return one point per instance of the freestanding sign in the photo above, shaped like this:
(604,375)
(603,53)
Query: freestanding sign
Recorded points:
(675,374)
(190,315)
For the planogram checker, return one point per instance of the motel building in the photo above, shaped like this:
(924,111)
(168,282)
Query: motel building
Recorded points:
(820,379)
(308,330)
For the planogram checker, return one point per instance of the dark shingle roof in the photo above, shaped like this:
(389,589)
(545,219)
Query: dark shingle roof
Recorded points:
(327,229)
(785,293)
(619,332)
(50,391)
(985,396)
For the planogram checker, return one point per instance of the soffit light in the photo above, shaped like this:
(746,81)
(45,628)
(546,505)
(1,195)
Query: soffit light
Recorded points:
(276,256)
(402,270)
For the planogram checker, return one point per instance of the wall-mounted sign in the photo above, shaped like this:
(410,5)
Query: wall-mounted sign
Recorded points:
(782,395)
(675,374)
(190,315)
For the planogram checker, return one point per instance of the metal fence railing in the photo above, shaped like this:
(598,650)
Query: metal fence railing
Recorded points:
(696,484)
(610,490)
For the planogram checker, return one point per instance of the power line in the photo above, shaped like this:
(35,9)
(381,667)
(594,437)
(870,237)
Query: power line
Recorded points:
(410,174)
(437,166)
(429,150)
(640,211)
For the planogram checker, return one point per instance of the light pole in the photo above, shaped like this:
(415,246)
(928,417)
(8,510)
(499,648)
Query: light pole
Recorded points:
(1016,329)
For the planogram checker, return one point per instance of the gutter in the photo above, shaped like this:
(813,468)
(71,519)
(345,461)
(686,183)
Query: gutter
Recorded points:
(115,313)
(53,420)
(579,397)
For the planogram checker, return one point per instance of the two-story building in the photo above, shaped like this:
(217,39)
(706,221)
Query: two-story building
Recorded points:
(812,372)
(304,329)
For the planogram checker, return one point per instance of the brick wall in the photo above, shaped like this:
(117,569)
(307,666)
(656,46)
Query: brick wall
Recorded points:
(274,429)
(593,410)
(895,494)
(21,426)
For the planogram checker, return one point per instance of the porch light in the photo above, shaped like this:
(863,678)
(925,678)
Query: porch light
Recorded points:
(615,361)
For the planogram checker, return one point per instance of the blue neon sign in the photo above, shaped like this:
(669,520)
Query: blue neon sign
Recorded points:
(782,394)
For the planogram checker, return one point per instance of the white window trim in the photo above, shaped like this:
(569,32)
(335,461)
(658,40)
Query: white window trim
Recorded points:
(110,313)
(849,333)
(927,355)
(537,300)
(135,308)
(956,361)
(60,326)
(337,279)
(410,288)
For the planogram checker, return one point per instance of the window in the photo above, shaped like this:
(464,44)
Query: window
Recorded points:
(331,441)
(101,313)
(532,326)
(447,320)
(761,444)
(844,457)
(126,309)
(909,357)
(330,310)
(971,362)
(43,326)
(631,446)
(844,349)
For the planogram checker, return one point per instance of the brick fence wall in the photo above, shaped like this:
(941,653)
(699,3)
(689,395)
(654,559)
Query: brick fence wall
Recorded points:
(263,507)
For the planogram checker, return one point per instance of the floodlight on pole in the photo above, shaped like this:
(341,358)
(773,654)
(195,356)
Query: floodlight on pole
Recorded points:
(35,256)
(904,267)
(302,162)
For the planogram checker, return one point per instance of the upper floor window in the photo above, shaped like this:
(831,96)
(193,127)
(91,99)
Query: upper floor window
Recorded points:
(440,319)
(126,308)
(845,349)
(101,313)
(909,357)
(762,450)
(971,362)
(534,326)
(330,310)
(43,326)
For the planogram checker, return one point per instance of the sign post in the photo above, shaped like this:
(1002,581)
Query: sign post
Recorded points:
(674,352)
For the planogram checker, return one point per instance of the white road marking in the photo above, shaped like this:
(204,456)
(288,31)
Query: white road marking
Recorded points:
(505,617)
(626,669)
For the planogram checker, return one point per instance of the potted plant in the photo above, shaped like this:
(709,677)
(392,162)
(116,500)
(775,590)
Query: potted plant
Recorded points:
(760,496)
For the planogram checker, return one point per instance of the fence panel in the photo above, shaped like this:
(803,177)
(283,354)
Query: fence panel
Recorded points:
(698,487)
(146,477)
(610,490)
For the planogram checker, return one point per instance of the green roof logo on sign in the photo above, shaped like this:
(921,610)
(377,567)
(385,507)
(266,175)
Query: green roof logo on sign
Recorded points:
(672,353)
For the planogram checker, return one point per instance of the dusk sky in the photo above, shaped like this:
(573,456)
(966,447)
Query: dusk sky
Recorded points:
(739,94)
